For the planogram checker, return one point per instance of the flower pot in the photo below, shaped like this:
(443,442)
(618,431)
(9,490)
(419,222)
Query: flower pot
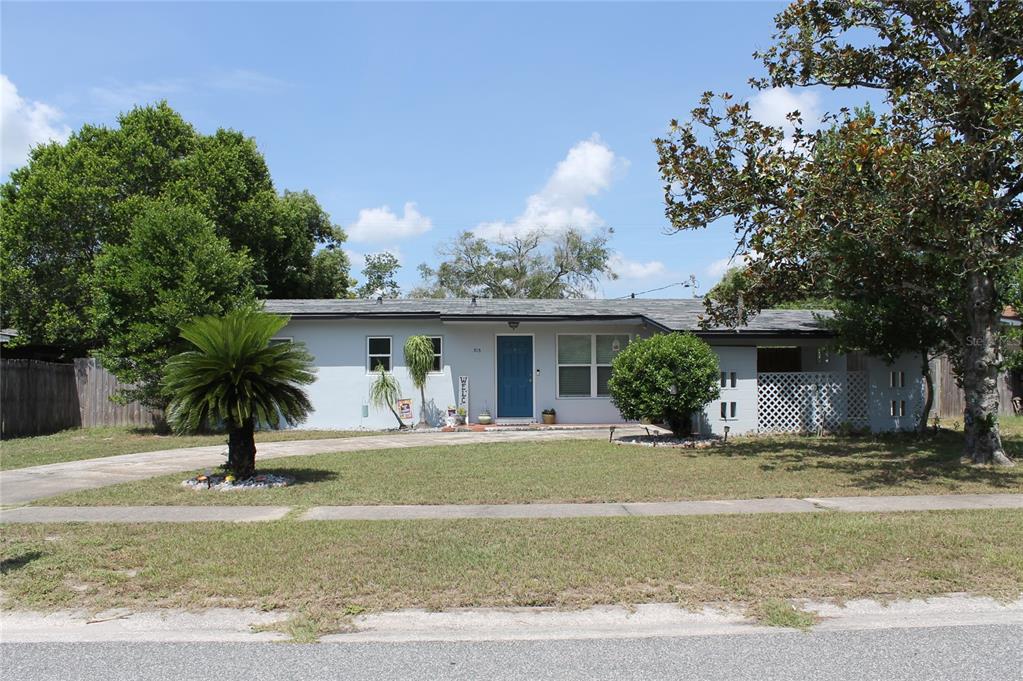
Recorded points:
(549,419)
(484,419)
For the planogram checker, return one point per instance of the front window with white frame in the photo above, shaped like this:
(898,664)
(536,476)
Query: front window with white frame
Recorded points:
(584,363)
(438,353)
(378,353)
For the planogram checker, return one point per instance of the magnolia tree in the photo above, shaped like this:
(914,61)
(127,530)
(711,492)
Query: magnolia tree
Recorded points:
(666,378)
(917,209)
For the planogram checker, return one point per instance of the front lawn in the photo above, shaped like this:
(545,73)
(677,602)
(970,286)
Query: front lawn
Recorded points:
(92,443)
(593,470)
(323,570)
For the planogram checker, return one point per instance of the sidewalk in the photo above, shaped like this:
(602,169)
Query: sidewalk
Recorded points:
(191,514)
(23,485)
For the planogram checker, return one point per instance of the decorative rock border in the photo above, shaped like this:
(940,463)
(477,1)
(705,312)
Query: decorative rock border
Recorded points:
(222,483)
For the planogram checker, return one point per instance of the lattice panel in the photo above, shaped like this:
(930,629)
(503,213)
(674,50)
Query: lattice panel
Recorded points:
(795,402)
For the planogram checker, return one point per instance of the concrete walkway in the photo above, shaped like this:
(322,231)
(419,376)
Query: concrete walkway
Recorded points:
(189,514)
(142,514)
(23,485)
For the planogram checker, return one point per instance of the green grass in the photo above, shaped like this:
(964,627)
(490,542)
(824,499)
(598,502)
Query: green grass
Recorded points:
(92,443)
(596,471)
(324,571)
(777,612)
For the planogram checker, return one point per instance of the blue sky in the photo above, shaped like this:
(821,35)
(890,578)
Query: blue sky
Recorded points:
(412,122)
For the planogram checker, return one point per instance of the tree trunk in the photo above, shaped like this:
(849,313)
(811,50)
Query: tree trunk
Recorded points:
(679,425)
(241,450)
(928,393)
(423,423)
(401,424)
(980,365)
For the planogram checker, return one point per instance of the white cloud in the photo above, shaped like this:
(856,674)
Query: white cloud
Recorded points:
(718,268)
(563,203)
(382,224)
(125,96)
(634,269)
(771,106)
(24,124)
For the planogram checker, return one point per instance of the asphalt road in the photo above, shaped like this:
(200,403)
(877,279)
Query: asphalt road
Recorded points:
(960,653)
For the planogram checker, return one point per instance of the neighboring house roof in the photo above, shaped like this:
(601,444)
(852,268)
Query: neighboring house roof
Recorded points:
(665,314)
(7,335)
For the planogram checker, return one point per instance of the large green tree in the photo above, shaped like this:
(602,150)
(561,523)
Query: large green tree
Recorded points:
(73,199)
(534,265)
(930,188)
(172,268)
(378,276)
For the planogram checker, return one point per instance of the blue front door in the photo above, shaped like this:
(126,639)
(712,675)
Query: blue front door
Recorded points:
(515,376)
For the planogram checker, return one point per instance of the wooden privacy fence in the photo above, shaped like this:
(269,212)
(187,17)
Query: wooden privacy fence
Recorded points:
(949,400)
(43,397)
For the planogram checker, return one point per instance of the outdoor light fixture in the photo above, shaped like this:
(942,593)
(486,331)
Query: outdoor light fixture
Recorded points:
(726,433)
(513,325)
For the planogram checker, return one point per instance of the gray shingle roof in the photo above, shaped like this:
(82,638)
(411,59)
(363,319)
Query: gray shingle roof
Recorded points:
(668,314)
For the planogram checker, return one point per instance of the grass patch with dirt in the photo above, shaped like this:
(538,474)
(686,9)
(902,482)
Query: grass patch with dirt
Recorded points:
(324,571)
(596,471)
(92,443)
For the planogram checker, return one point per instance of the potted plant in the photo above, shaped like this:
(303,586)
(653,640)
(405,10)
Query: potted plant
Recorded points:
(549,416)
(484,418)
(460,416)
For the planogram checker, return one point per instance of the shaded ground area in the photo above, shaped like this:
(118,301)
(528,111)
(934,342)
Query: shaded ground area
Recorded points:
(92,443)
(596,471)
(327,570)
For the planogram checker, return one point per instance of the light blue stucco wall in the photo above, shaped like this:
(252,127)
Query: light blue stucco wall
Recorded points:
(340,395)
(342,386)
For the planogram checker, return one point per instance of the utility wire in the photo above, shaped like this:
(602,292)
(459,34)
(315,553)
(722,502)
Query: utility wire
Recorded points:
(685,284)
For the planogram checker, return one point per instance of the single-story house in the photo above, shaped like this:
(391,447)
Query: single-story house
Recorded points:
(515,358)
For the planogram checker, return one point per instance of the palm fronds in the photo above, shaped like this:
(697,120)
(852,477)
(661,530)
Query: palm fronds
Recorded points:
(234,376)
(384,392)
(419,363)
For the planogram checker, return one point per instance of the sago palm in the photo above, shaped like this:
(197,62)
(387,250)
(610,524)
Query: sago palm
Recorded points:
(235,378)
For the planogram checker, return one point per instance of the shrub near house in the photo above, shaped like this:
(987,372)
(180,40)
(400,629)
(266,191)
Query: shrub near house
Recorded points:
(666,378)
